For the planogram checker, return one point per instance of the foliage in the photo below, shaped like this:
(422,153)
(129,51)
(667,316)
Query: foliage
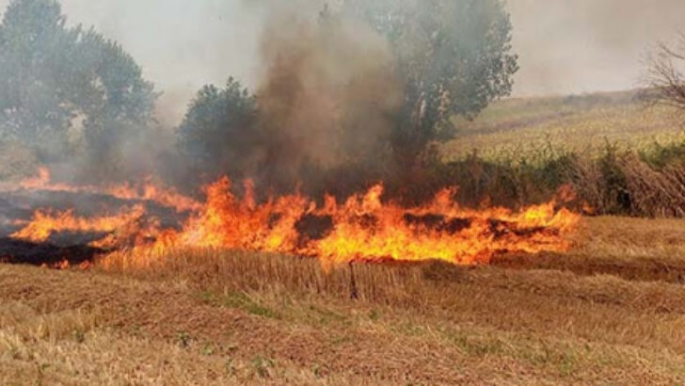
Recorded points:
(450,57)
(215,115)
(648,183)
(453,57)
(57,80)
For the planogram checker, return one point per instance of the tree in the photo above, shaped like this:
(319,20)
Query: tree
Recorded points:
(340,97)
(117,104)
(219,134)
(454,57)
(55,81)
(31,37)
(666,81)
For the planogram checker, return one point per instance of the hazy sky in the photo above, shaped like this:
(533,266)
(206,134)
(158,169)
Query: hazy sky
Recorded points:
(565,46)
(575,46)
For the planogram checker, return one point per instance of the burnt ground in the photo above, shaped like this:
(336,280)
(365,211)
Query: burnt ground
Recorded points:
(23,252)
(17,208)
(640,266)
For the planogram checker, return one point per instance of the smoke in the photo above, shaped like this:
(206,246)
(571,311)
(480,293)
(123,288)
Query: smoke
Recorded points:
(324,83)
(564,46)
(327,89)
(587,45)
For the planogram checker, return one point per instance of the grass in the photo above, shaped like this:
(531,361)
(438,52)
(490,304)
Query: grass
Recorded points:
(215,317)
(619,155)
(240,301)
(538,127)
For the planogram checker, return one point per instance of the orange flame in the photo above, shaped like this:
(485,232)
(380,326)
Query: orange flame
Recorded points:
(363,228)
(148,191)
(44,224)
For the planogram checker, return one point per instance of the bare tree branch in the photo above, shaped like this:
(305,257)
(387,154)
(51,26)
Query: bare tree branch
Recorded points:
(665,77)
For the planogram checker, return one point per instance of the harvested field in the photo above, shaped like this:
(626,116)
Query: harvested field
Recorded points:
(608,311)
(341,193)
(537,128)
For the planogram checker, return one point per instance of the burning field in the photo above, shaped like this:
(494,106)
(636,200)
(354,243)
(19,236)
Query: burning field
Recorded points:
(138,283)
(314,122)
(354,203)
(605,311)
(61,225)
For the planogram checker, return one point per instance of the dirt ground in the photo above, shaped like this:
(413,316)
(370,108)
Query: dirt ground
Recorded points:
(610,311)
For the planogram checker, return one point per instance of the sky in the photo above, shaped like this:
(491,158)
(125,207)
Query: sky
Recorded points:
(580,46)
(565,46)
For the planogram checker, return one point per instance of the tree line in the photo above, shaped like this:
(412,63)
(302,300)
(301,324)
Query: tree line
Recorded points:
(69,90)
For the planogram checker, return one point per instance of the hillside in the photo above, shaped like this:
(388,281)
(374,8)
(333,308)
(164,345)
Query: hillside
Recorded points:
(531,127)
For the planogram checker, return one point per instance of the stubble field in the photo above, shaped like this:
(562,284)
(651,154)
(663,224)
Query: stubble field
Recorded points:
(609,311)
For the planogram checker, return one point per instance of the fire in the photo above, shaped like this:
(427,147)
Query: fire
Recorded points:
(151,192)
(366,229)
(148,191)
(362,228)
(44,224)
(227,222)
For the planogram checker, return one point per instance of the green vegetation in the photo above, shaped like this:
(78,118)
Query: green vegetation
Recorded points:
(315,114)
(219,132)
(66,91)
(451,58)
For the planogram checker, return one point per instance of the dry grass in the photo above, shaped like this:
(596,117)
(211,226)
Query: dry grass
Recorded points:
(527,127)
(213,317)
(621,155)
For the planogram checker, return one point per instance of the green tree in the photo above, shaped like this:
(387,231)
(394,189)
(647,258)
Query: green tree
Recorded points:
(31,39)
(454,57)
(220,134)
(56,80)
(451,57)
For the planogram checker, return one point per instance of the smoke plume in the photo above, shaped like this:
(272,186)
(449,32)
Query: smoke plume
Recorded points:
(327,91)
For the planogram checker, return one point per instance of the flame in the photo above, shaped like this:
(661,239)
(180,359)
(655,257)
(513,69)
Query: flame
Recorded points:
(366,229)
(45,223)
(148,191)
(151,192)
(227,222)
(362,228)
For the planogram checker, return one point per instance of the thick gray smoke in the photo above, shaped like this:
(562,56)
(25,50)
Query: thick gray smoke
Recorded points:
(326,89)
(324,84)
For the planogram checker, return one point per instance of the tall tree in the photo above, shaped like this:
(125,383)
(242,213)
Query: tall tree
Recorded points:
(31,105)
(454,57)
(339,96)
(55,79)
